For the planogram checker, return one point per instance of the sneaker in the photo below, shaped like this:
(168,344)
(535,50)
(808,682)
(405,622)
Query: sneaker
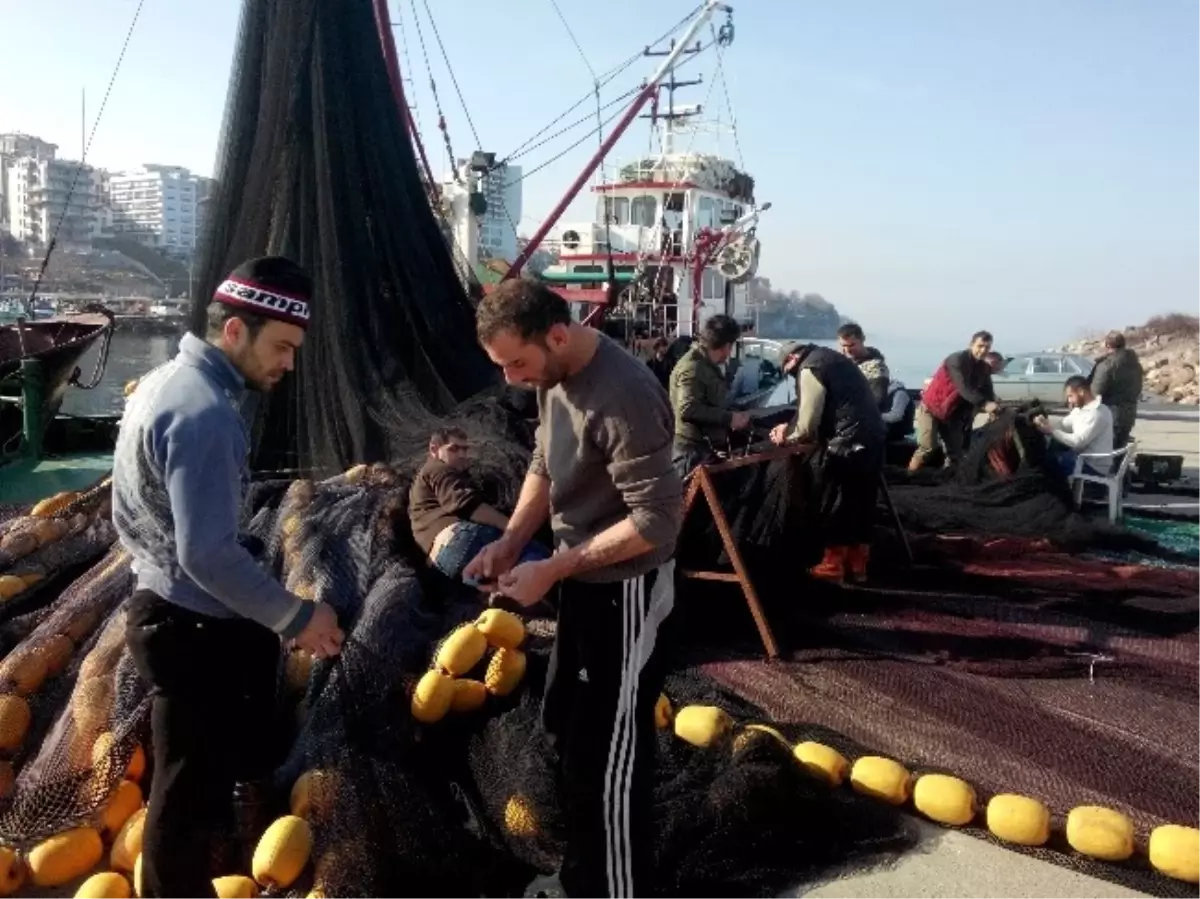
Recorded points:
(546,886)
(833,566)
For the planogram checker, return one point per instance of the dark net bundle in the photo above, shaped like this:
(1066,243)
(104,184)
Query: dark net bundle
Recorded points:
(315,164)
(1006,485)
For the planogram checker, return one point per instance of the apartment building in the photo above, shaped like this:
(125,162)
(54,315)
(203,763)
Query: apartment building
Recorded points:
(49,198)
(156,205)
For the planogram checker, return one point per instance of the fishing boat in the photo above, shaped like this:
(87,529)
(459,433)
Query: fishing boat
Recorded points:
(39,364)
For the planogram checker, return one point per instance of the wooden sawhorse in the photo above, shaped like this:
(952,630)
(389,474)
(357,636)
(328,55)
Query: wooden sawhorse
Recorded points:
(701,483)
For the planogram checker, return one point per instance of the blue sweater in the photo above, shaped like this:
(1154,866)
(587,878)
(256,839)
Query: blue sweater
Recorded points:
(180,474)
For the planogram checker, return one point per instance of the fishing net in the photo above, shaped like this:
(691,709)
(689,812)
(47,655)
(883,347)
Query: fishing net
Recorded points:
(315,164)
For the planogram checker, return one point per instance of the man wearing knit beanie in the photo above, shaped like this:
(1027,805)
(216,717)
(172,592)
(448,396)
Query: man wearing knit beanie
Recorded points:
(205,623)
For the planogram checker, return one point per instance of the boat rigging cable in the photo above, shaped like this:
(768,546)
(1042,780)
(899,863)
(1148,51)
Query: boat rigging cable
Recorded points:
(720,45)
(437,101)
(604,80)
(79,169)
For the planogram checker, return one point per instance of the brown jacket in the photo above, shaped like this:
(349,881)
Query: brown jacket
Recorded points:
(440,496)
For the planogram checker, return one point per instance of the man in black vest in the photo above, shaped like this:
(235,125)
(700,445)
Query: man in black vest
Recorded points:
(838,411)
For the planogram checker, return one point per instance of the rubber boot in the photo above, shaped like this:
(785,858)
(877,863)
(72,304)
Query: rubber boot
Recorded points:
(856,563)
(833,566)
(917,460)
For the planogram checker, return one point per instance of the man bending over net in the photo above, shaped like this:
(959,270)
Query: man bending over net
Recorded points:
(602,472)
(205,623)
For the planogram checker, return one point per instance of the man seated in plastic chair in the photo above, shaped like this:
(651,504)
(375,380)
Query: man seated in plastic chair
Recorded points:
(1087,430)
(450,520)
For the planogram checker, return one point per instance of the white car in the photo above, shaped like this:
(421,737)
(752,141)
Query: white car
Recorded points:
(1038,376)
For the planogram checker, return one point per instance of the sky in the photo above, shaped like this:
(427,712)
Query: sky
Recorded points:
(934,166)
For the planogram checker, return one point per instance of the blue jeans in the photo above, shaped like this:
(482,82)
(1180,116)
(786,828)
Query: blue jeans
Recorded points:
(465,543)
(1066,463)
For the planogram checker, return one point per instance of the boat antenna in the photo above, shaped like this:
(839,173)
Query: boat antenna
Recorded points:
(79,168)
(643,96)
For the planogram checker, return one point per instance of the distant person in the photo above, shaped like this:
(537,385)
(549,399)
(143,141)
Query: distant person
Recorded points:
(659,362)
(961,387)
(835,410)
(1086,430)
(1117,381)
(700,397)
(853,344)
(898,412)
(450,521)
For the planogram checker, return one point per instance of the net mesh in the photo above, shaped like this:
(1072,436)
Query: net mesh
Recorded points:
(315,164)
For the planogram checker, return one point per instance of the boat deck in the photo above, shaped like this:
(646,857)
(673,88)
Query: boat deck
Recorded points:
(23,482)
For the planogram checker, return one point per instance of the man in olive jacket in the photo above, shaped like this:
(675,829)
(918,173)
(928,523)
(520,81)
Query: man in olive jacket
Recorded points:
(1117,380)
(699,394)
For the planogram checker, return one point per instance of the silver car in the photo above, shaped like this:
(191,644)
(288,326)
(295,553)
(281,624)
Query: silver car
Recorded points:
(1038,376)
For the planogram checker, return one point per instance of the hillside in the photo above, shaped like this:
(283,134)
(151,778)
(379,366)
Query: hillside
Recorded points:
(1169,349)
(791,314)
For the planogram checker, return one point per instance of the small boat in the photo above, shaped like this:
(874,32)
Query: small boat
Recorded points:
(52,348)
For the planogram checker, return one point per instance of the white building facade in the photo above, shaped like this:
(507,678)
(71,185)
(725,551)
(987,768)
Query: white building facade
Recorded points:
(156,207)
(13,146)
(52,198)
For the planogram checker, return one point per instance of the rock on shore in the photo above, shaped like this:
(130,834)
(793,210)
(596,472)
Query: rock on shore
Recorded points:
(1169,349)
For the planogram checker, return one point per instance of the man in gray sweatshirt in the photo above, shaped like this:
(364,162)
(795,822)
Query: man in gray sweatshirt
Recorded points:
(602,473)
(205,623)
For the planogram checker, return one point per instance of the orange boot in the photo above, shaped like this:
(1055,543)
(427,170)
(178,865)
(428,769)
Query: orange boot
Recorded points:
(833,566)
(856,561)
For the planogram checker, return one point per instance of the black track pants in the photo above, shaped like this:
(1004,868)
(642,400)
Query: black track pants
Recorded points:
(606,674)
(212,683)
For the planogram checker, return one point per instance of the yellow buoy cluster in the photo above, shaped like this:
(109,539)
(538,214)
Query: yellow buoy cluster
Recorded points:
(47,522)
(71,854)
(1094,831)
(444,688)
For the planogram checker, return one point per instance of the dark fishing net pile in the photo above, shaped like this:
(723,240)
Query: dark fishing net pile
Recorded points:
(315,164)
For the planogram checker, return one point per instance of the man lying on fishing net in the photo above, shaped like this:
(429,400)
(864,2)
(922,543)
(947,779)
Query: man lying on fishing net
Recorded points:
(602,472)
(179,483)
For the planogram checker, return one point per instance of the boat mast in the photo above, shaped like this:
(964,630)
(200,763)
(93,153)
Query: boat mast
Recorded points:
(649,90)
(383,24)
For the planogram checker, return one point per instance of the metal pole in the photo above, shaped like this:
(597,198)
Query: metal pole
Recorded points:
(383,23)
(32,419)
(639,101)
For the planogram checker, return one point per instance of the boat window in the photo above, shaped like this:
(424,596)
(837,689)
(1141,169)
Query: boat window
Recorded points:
(1072,365)
(706,213)
(712,285)
(642,212)
(673,203)
(587,269)
(615,210)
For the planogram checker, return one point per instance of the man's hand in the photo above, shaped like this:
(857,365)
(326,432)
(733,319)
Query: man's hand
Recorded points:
(321,636)
(740,421)
(529,582)
(990,407)
(493,560)
(779,435)
(1043,425)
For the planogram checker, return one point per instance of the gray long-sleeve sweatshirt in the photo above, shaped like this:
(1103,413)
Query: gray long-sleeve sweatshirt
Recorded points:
(179,478)
(604,440)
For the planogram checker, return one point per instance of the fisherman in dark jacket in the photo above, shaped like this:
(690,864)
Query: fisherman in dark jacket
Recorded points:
(961,387)
(699,396)
(837,411)
(1117,380)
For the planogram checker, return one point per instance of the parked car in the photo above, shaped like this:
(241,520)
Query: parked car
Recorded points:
(1038,376)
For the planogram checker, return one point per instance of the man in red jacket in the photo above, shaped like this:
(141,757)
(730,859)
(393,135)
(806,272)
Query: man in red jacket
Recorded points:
(961,387)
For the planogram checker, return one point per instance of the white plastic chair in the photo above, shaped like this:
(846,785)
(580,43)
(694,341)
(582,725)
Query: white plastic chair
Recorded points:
(1114,482)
